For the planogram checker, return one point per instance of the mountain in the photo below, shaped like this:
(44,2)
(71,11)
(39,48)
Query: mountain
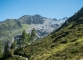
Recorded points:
(47,27)
(65,43)
(8,26)
(12,27)
(35,19)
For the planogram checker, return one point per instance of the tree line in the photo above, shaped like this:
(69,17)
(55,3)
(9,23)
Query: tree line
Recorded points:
(24,39)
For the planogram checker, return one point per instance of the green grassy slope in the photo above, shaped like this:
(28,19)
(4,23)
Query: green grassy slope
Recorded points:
(64,44)
(10,28)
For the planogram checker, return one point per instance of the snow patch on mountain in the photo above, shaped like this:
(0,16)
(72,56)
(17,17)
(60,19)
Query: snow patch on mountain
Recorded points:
(46,28)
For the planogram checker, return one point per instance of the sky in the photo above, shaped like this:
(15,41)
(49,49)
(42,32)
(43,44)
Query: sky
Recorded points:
(14,9)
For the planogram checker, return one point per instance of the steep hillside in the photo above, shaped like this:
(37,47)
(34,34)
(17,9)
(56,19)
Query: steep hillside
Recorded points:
(66,43)
(8,26)
(13,27)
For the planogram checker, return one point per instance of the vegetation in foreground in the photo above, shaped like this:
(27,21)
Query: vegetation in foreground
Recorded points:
(66,43)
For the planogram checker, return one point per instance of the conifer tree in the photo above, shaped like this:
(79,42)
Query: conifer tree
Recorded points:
(33,34)
(23,37)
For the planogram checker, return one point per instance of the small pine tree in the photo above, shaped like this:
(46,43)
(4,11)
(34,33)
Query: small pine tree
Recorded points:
(28,38)
(6,47)
(33,34)
(6,51)
(13,45)
(23,37)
